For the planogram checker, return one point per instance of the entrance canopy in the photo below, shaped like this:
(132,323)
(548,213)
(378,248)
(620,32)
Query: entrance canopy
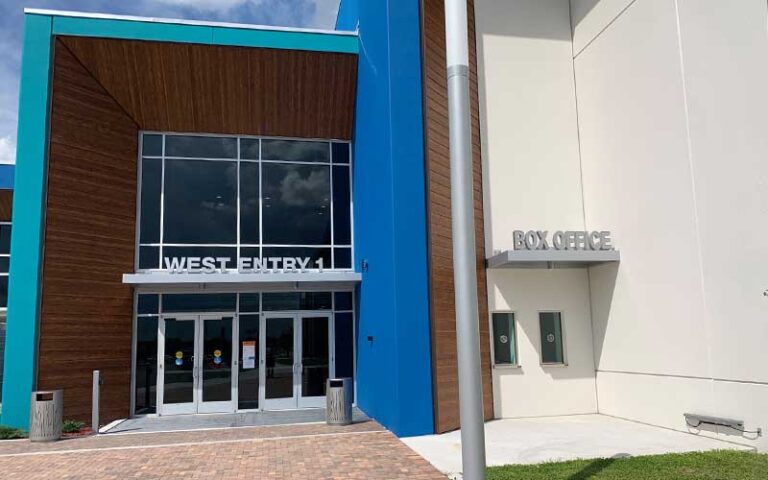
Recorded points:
(552,258)
(234,280)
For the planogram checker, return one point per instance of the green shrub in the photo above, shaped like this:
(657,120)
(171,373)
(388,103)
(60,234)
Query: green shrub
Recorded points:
(9,433)
(72,426)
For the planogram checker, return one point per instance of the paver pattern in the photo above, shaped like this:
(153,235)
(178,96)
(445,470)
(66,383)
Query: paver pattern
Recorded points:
(359,451)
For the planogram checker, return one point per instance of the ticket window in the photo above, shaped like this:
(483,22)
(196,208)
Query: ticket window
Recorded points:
(551,329)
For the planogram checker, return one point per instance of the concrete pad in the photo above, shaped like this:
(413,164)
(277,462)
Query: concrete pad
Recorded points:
(537,440)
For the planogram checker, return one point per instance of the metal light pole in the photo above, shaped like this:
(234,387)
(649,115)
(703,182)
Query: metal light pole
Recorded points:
(463,223)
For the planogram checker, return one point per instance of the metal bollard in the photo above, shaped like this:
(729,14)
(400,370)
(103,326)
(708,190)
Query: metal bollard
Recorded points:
(95,400)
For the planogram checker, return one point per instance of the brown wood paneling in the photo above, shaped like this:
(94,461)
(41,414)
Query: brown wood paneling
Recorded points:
(6,205)
(104,92)
(442,309)
(86,311)
(215,89)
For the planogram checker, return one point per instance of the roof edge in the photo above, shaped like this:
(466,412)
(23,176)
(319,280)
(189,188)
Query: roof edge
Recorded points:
(178,21)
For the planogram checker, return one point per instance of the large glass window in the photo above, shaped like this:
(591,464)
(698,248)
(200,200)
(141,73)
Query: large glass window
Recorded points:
(504,338)
(5,262)
(551,326)
(227,196)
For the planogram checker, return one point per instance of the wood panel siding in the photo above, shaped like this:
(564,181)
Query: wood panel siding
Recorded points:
(86,311)
(442,309)
(6,205)
(105,92)
(232,90)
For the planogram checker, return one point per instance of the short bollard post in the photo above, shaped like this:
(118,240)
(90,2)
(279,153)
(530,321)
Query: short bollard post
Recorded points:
(95,399)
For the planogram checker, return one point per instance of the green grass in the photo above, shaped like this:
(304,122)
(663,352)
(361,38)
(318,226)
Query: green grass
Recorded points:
(718,465)
(8,433)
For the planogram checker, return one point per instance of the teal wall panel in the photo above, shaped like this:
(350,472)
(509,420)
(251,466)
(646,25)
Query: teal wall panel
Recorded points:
(204,34)
(28,220)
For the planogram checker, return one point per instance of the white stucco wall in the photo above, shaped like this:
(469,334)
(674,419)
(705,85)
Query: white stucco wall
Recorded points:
(673,112)
(544,390)
(531,181)
(647,118)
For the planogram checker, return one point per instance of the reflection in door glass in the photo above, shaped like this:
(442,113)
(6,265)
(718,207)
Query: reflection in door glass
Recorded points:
(314,353)
(248,377)
(178,384)
(279,357)
(217,359)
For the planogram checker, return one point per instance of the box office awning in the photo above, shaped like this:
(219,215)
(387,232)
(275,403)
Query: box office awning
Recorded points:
(552,258)
(239,281)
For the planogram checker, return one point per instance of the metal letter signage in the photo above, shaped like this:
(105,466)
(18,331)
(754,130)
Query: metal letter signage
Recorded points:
(244,264)
(561,240)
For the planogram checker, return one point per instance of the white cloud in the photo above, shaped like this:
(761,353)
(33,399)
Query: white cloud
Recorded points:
(209,5)
(7,150)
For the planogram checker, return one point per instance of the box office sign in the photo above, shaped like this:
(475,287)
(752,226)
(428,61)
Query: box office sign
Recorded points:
(562,240)
(244,264)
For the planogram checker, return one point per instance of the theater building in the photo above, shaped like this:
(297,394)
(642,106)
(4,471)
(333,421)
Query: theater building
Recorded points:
(219,217)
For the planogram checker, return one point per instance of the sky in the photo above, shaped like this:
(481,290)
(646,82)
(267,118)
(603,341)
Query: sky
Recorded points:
(287,13)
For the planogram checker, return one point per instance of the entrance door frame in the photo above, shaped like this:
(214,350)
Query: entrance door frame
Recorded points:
(297,401)
(197,405)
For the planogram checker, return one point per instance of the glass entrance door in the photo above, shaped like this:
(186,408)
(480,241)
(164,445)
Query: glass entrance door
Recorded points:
(297,360)
(280,362)
(196,364)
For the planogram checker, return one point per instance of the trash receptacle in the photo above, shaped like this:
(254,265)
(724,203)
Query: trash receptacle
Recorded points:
(46,416)
(338,401)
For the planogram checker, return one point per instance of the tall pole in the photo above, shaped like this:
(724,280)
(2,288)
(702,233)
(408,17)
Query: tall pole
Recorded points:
(464,259)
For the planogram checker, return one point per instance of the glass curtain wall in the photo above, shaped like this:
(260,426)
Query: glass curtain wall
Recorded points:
(228,196)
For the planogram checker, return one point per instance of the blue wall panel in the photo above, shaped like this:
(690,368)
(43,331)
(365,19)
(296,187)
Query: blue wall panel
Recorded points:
(394,369)
(27,237)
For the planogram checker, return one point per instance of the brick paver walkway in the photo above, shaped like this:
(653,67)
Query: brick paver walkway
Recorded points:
(360,451)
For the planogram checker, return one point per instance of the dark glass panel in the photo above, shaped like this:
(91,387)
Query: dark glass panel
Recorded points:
(342,220)
(249,302)
(279,357)
(151,183)
(504,338)
(149,304)
(249,203)
(551,337)
(152,145)
(249,148)
(200,202)
(296,204)
(217,359)
(5,239)
(277,301)
(3,291)
(345,345)
(342,301)
(201,252)
(146,363)
(248,378)
(200,147)
(4,264)
(179,361)
(340,152)
(295,151)
(313,254)
(342,257)
(149,258)
(314,356)
(199,302)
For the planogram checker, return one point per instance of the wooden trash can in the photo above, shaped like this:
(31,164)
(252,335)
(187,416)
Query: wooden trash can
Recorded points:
(46,416)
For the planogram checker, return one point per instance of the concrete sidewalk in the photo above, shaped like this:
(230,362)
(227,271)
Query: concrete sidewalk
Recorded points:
(537,440)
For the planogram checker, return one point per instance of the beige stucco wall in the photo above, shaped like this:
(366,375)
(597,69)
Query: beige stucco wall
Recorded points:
(531,181)
(673,112)
(646,118)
